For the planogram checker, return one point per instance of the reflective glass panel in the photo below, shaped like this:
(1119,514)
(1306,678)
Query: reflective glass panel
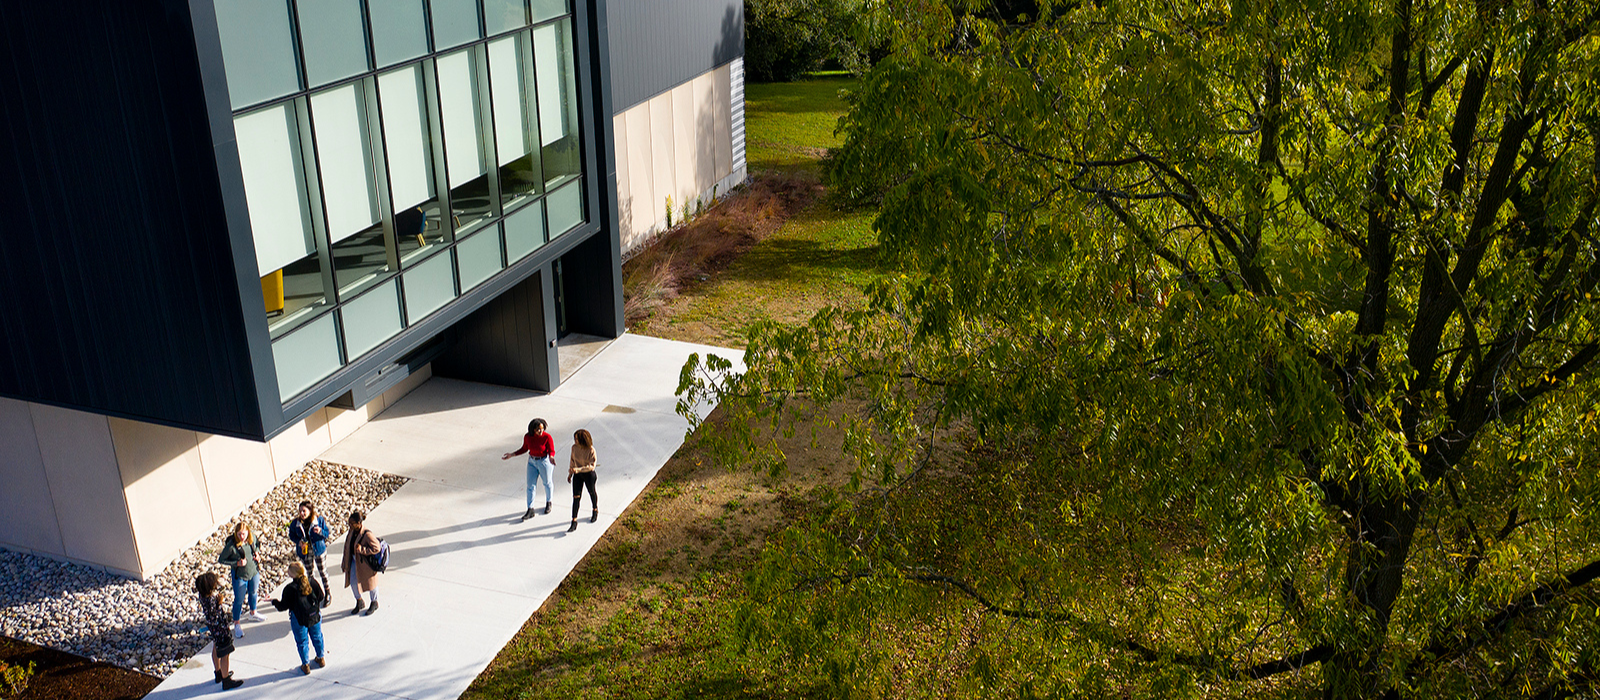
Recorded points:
(455,22)
(332,39)
(408,141)
(429,286)
(546,9)
(478,257)
(344,156)
(459,108)
(516,128)
(399,30)
(349,186)
(371,319)
(275,191)
(524,231)
(566,208)
(257,50)
(558,101)
(504,15)
(306,356)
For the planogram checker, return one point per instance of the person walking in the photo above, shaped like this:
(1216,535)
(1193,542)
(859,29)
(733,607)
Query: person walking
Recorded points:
(304,600)
(360,543)
(239,553)
(541,449)
(580,471)
(309,533)
(209,587)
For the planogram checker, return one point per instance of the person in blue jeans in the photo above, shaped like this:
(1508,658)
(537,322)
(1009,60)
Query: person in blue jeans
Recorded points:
(239,553)
(309,533)
(541,449)
(304,600)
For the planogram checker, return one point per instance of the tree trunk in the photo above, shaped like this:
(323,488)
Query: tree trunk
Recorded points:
(1374,573)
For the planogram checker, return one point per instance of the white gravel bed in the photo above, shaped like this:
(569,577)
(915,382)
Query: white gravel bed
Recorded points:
(155,626)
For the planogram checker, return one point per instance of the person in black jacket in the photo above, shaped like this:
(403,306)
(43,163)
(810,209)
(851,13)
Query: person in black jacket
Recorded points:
(209,587)
(303,598)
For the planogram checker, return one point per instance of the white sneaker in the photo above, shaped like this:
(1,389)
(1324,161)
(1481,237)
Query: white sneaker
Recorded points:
(237,631)
(254,617)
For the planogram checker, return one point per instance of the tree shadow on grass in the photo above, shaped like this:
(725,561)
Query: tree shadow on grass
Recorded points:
(800,259)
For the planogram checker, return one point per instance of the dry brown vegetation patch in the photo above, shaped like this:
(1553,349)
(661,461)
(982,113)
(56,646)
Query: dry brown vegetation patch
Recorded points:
(692,252)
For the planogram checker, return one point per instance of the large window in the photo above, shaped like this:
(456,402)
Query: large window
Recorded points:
(349,185)
(394,159)
(276,192)
(516,126)
(558,101)
(461,108)
(408,137)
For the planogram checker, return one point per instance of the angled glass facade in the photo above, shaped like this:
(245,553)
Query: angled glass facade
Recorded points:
(396,154)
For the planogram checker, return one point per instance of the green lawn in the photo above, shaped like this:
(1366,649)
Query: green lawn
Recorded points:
(788,126)
(650,612)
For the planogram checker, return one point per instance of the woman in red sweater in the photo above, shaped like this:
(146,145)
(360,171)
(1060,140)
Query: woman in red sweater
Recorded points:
(541,449)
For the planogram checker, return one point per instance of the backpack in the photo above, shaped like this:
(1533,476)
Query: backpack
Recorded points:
(380,561)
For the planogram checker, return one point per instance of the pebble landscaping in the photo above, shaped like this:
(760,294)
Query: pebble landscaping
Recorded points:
(155,626)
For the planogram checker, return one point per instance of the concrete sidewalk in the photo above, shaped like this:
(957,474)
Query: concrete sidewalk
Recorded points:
(466,572)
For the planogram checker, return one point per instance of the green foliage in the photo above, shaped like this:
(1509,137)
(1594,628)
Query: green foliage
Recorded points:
(784,39)
(15,679)
(1239,348)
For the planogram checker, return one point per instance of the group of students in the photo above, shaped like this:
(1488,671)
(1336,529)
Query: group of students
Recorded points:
(309,533)
(541,451)
(302,596)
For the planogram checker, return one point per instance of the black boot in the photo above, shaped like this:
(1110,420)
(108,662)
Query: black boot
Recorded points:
(595,517)
(574,527)
(360,605)
(528,514)
(229,683)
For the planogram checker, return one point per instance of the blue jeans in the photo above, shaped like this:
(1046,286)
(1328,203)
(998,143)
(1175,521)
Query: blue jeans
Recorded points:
(241,586)
(542,468)
(301,633)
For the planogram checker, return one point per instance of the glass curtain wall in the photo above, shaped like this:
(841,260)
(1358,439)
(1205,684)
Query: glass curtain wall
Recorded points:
(394,159)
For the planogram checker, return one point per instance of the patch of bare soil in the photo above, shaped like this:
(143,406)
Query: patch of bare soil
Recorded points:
(58,674)
(694,251)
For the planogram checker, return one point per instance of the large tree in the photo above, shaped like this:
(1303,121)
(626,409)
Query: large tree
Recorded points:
(1233,347)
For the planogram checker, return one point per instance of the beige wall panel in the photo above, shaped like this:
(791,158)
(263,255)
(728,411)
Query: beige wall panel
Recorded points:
(705,132)
(237,473)
(723,111)
(661,157)
(619,155)
(27,517)
(684,151)
(301,443)
(341,423)
(166,489)
(647,208)
(80,463)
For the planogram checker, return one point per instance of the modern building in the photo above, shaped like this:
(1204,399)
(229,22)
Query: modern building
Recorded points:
(239,229)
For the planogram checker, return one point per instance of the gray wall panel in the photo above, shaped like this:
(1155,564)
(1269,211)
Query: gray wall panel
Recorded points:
(657,45)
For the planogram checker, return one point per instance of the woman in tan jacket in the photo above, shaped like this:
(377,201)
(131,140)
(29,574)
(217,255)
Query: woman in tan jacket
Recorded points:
(582,467)
(359,544)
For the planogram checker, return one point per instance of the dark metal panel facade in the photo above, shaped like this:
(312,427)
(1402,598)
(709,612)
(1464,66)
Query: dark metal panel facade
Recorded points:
(506,341)
(656,46)
(120,283)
